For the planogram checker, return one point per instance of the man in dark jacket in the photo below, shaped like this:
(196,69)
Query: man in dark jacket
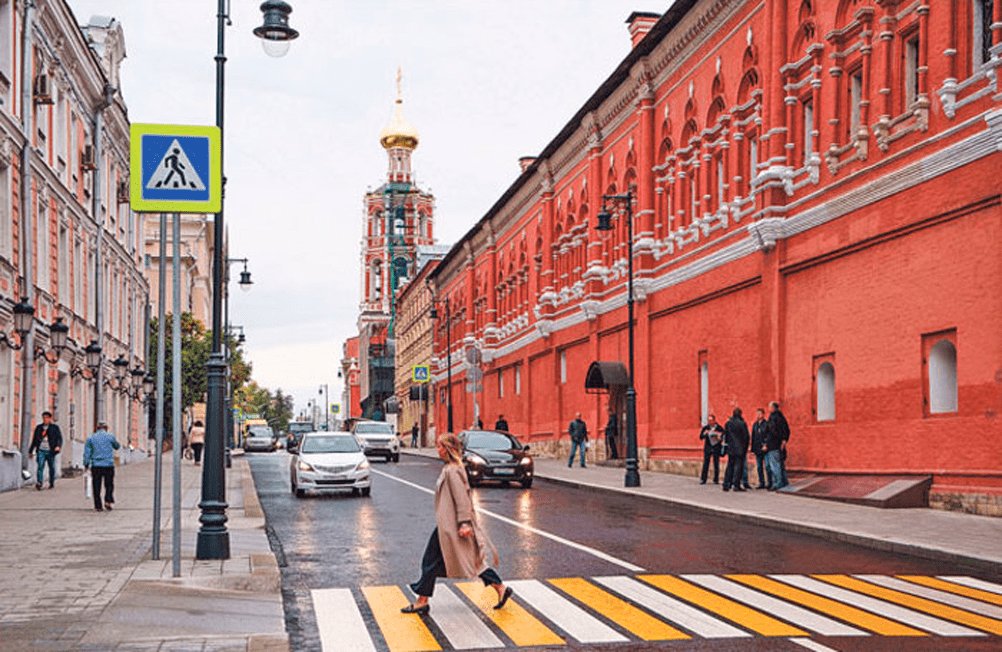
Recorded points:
(47,440)
(712,435)
(579,438)
(760,429)
(779,434)
(736,434)
(611,434)
(501,424)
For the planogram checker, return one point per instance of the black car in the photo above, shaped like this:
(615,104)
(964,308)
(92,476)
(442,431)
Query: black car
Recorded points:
(497,456)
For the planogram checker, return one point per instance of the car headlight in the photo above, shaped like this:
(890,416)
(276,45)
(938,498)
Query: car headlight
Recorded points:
(476,459)
(363,465)
(304,466)
(526,461)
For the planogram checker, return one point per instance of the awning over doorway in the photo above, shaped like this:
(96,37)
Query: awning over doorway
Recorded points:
(603,376)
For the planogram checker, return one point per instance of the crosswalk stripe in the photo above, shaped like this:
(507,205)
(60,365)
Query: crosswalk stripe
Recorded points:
(811,645)
(858,617)
(954,587)
(919,604)
(791,613)
(340,622)
(952,599)
(733,611)
(908,616)
(518,624)
(564,614)
(461,626)
(643,625)
(670,608)
(974,583)
(402,632)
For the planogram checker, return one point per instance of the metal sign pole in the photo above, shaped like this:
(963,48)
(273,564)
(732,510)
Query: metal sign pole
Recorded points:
(161,346)
(176,396)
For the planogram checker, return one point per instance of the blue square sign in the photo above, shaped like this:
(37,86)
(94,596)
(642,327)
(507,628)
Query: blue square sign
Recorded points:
(175,168)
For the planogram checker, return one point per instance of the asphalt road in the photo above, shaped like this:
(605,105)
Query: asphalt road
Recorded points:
(545,533)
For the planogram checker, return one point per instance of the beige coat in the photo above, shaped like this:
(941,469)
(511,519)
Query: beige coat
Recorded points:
(463,557)
(197,435)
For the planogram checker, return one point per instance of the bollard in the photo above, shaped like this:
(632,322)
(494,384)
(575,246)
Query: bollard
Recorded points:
(229,459)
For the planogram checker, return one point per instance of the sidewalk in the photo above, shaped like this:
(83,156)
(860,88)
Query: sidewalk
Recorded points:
(76,579)
(929,533)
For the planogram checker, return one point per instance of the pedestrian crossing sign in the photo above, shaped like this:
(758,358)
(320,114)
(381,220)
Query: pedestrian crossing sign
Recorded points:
(175,169)
(422,373)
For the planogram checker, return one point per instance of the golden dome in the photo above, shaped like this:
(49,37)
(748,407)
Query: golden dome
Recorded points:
(399,132)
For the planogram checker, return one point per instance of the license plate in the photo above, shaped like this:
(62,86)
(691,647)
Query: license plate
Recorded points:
(504,471)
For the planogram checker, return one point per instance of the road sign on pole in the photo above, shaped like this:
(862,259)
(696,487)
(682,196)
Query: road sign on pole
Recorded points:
(422,373)
(175,169)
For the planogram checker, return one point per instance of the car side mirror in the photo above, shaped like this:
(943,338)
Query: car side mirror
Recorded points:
(526,447)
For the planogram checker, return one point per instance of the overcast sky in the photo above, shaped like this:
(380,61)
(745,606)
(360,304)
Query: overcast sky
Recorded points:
(484,83)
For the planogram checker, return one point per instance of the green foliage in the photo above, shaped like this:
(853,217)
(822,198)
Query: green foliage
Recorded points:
(275,408)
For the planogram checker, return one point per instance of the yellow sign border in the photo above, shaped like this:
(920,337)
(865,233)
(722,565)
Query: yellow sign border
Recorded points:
(215,182)
(414,373)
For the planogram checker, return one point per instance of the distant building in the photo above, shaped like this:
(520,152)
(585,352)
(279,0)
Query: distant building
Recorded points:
(196,265)
(351,401)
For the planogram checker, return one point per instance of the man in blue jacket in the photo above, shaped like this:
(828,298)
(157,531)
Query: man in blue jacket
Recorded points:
(99,457)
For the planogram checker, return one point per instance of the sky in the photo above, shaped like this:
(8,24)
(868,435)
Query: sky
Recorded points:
(484,82)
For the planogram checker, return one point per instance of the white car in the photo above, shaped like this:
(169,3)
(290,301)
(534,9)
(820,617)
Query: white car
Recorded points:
(378,439)
(329,462)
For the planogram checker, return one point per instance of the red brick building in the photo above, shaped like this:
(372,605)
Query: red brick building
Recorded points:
(816,219)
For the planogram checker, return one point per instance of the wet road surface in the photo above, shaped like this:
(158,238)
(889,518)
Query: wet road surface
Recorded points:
(342,553)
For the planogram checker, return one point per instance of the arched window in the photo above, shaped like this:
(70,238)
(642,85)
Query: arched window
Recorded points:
(704,388)
(943,377)
(825,389)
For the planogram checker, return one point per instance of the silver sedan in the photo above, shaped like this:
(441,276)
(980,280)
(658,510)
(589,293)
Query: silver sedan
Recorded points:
(329,462)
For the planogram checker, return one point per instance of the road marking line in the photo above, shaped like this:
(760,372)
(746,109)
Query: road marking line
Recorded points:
(340,622)
(402,632)
(519,625)
(973,583)
(959,589)
(528,528)
(733,611)
(922,621)
(952,599)
(791,613)
(812,645)
(919,604)
(574,620)
(872,622)
(459,623)
(670,608)
(640,623)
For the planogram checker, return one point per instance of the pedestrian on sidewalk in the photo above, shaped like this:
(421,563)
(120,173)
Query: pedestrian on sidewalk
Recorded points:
(611,433)
(458,546)
(501,424)
(711,434)
(779,433)
(47,440)
(579,439)
(414,435)
(759,431)
(99,457)
(197,440)
(736,433)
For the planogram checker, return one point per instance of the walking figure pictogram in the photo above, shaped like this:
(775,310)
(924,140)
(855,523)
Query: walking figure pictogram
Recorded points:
(175,166)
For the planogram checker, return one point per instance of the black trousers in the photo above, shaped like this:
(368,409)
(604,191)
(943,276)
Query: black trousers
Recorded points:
(734,472)
(613,453)
(197,449)
(433,567)
(107,475)
(708,453)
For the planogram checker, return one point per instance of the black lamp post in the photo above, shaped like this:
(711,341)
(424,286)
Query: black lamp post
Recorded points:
(448,355)
(327,409)
(625,202)
(213,539)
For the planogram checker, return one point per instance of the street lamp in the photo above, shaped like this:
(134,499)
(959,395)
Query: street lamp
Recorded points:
(448,354)
(625,203)
(323,390)
(213,539)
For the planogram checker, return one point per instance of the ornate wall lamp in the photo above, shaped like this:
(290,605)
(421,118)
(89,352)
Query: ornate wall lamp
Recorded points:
(58,336)
(24,316)
(92,360)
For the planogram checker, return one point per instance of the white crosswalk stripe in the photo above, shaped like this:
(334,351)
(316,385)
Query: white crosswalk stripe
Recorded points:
(461,626)
(668,608)
(340,621)
(959,601)
(973,583)
(565,614)
(774,607)
(901,614)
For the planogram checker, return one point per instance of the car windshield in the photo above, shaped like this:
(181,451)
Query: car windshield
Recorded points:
(373,428)
(495,441)
(261,431)
(329,444)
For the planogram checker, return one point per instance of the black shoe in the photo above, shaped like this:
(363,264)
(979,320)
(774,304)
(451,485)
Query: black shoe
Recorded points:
(38,486)
(716,482)
(761,486)
(508,592)
(726,488)
(98,509)
(415,609)
(52,485)
(702,482)
(740,489)
(108,506)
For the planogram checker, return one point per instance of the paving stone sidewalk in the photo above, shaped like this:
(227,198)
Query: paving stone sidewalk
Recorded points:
(77,579)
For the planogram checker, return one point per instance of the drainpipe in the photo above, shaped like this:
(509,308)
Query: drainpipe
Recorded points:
(96,184)
(26,211)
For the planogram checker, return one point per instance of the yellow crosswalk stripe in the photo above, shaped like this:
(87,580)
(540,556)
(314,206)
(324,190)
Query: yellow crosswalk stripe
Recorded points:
(872,622)
(722,607)
(402,632)
(914,602)
(959,589)
(518,624)
(642,624)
